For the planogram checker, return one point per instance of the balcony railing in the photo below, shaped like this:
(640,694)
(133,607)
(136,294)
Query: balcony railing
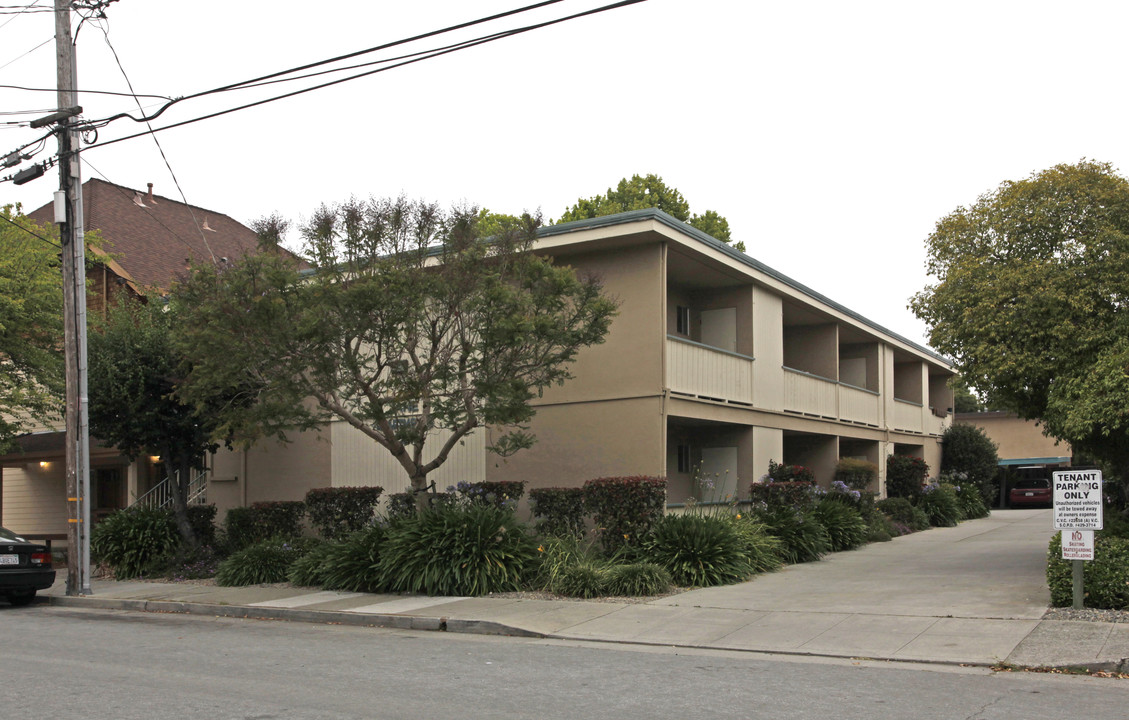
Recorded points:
(707,372)
(160,495)
(908,415)
(810,394)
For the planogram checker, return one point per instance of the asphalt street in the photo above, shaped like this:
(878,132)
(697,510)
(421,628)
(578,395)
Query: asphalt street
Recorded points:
(73,662)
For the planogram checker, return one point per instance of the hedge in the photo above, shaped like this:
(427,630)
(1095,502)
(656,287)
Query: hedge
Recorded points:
(625,508)
(338,512)
(559,511)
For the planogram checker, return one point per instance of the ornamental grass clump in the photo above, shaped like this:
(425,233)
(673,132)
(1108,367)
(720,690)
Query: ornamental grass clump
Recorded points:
(353,564)
(940,505)
(131,540)
(636,580)
(461,549)
(583,580)
(802,537)
(699,550)
(762,549)
(971,502)
(904,515)
(846,530)
(267,561)
(309,570)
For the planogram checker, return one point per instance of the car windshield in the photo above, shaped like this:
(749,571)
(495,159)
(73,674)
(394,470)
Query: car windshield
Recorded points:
(1033,484)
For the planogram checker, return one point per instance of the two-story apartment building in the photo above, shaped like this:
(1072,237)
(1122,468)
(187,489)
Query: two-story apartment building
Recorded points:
(715,365)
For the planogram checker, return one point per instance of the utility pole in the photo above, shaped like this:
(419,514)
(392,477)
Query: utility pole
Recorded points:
(72,239)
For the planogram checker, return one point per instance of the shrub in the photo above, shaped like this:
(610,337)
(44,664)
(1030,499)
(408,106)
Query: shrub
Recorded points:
(856,474)
(403,504)
(202,518)
(903,513)
(905,475)
(636,579)
(337,512)
(1105,579)
(267,561)
(845,527)
(559,511)
(625,508)
(788,473)
(130,540)
(354,563)
(502,493)
(802,539)
(967,449)
(699,550)
(457,550)
(245,526)
(940,505)
(790,494)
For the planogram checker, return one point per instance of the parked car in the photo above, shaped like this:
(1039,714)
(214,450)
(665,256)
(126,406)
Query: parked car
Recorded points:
(25,568)
(1029,492)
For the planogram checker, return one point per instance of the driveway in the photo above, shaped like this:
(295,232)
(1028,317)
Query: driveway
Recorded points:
(988,568)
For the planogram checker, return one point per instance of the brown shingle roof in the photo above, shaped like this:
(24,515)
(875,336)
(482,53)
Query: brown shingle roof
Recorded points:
(153,244)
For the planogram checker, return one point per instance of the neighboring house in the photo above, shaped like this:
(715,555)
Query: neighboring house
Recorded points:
(147,241)
(1024,451)
(715,365)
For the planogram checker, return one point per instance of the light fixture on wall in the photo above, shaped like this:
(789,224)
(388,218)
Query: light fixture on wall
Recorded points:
(154,459)
(44,464)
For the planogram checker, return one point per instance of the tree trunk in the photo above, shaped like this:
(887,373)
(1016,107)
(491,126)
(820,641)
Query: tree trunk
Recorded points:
(180,479)
(420,493)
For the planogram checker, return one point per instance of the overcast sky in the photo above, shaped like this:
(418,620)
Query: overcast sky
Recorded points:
(832,135)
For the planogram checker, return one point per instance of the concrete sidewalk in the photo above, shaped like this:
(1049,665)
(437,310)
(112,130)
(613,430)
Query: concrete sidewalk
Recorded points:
(973,595)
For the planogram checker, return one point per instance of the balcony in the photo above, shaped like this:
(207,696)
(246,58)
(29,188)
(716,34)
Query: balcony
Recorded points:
(817,396)
(908,416)
(706,372)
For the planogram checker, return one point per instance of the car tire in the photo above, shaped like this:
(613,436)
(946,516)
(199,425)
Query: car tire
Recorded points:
(21,599)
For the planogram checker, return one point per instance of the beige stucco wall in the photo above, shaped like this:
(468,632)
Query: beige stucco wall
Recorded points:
(1016,438)
(813,349)
(269,470)
(578,442)
(768,351)
(629,362)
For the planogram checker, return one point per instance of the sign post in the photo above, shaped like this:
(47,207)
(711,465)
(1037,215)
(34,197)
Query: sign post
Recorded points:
(1078,513)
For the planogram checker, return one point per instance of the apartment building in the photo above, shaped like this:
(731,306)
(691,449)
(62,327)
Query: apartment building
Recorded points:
(715,365)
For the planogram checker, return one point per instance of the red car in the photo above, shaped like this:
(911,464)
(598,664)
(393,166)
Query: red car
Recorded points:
(1032,492)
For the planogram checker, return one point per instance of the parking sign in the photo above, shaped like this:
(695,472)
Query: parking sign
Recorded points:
(1078,499)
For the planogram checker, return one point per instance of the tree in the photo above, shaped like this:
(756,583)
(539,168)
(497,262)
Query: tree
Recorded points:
(968,449)
(412,322)
(964,401)
(1032,301)
(649,192)
(134,370)
(31,326)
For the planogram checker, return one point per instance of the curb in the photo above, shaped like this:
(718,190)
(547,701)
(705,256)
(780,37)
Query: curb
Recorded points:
(326,617)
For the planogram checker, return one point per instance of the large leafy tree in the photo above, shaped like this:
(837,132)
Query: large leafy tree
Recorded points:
(1032,301)
(638,193)
(31,326)
(412,321)
(134,369)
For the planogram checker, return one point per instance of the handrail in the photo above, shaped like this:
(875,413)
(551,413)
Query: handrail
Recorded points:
(161,494)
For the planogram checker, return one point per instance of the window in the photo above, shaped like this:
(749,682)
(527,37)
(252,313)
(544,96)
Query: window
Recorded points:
(683,320)
(683,458)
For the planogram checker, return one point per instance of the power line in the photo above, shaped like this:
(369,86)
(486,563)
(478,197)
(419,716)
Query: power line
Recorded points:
(80,90)
(20,57)
(385,46)
(450,49)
